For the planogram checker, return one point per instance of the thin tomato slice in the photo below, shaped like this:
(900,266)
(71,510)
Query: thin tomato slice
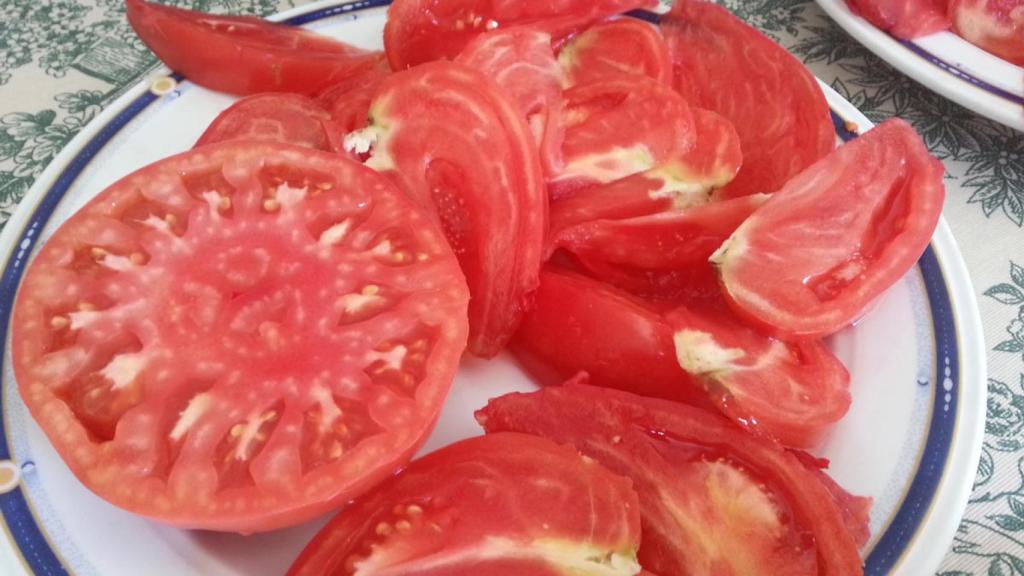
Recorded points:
(904,18)
(790,392)
(815,256)
(349,100)
(615,47)
(713,499)
(992,25)
(619,126)
(285,118)
(520,60)
(241,337)
(770,97)
(448,136)
(419,31)
(244,55)
(497,505)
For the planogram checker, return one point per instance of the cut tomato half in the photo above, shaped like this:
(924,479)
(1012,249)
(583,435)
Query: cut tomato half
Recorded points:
(448,136)
(497,505)
(770,97)
(625,45)
(810,261)
(244,55)
(713,499)
(241,337)
(285,118)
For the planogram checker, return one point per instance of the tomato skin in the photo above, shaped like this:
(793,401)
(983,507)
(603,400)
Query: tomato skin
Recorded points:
(286,118)
(854,223)
(579,324)
(774,102)
(243,55)
(614,47)
(420,31)
(665,448)
(994,26)
(447,136)
(906,19)
(143,312)
(444,514)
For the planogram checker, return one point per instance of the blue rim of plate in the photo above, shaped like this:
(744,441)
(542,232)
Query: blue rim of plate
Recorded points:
(42,559)
(956,72)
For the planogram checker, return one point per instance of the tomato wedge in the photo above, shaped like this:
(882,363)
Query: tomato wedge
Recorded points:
(904,18)
(446,134)
(241,337)
(498,505)
(995,26)
(286,118)
(520,60)
(813,258)
(615,47)
(620,126)
(244,55)
(790,392)
(770,97)
(579,324)
(419,31)
(349,100)
(713,499)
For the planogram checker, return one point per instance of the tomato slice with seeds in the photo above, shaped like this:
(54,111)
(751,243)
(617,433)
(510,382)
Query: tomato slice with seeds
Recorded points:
(244,55)
(770,97)
(502,505)
(713,499)
(448,136)
(836,236)
(240,337)
(419,31)
(994,26)
(520,60)
(626,45)
(277,117)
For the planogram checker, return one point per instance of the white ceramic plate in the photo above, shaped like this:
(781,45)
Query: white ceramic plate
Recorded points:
(911,440)
(945,63)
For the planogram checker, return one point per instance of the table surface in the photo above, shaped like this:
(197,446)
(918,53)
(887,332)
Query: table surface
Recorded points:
(63,61)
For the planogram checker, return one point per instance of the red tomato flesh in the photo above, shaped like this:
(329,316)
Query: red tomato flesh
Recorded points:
(769,96)
(714,500)
(498,505)
(244,55)
(240,337)
(993,25)
(349,101)
(448,136)
(904,18)
(615,47)
(285,118)
(810,261)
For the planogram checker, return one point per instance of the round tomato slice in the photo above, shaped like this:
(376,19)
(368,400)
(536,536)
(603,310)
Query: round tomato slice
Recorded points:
(498,505)
(419,31)
(714,499)
(626,45)
(821,250)
(770,97)
(520,60)
(286,118)
(240,337)
(244,55)
(905,18)
(993,25)
(449,137)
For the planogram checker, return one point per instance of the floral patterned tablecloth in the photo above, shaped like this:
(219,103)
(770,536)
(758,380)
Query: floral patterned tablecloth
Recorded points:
(62,61)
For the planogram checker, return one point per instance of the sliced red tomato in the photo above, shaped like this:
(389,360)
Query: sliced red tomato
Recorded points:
(446,134)
(771,98)
(994,25)
(244,55)
(904,18)
(619,126)
(714,500)
(497,505)
(241,337)
(419,31)
(349,101)
(626,45)
(520,60)
(286,118)
(791,392)
(620,341)
(810,261)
